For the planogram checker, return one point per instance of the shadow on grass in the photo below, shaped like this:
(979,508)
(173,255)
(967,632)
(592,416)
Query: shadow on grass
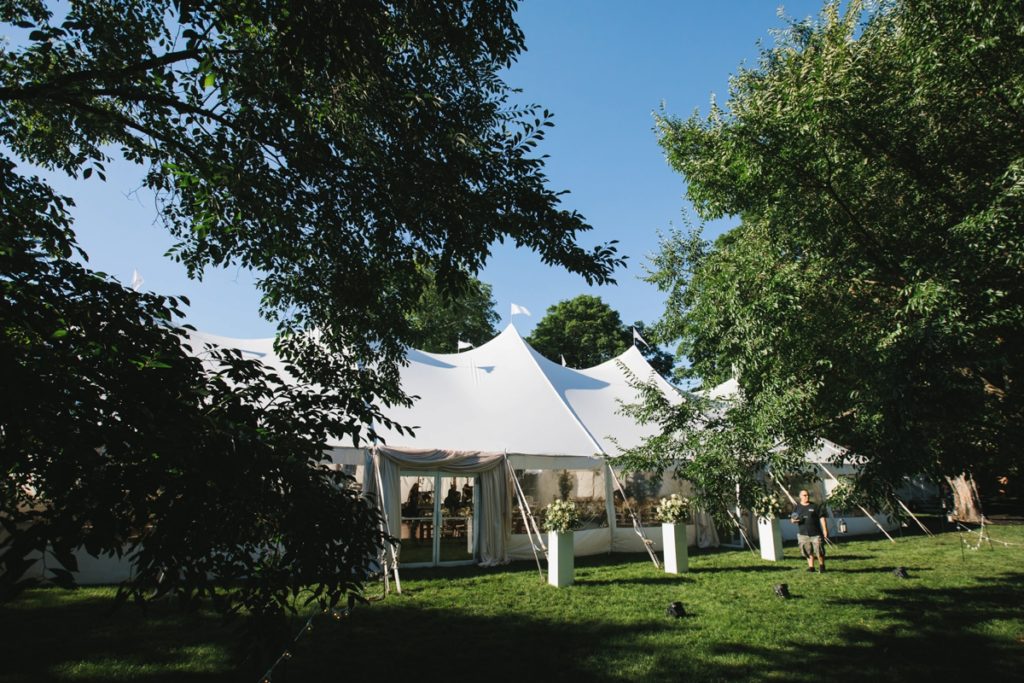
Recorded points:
(743,569)
(84,639)
(832,569)
(663,579)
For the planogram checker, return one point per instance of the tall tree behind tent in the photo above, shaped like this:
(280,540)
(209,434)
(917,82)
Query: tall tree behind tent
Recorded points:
(442,319)
(873,290)
(587,332)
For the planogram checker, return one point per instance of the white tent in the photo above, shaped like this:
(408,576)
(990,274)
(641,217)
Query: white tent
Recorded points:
(503,397)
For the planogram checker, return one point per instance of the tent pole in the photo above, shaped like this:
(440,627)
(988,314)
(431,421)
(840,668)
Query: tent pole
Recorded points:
(525,506)
(609,506)
(523,511)
(833,477)
(914,517)
(743,534)
(637,527)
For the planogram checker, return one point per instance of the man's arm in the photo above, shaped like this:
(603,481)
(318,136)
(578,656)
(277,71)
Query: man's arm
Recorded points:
(824,526)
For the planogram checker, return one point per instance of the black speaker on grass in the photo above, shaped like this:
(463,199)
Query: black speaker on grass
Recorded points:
(676,609)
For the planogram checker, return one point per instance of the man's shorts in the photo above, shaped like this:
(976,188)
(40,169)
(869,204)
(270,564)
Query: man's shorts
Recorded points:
(811,546)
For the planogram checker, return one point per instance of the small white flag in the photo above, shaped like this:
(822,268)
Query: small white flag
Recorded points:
(563,361)
(464,345)
(136,280)
(519,310)
(638,338)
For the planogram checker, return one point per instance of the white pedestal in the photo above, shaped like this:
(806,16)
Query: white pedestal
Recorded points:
(673,540)
(560,558)
(771,538)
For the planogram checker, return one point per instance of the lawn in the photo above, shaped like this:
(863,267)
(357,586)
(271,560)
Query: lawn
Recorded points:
(958,615)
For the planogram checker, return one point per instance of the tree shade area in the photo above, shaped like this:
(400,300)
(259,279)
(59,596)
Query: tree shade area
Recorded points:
(872,291)
(333,147)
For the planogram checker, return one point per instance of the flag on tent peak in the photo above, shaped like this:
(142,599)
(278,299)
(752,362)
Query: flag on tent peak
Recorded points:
(519,310)
(638,338)
(563,361)
(136,280)
(462,346)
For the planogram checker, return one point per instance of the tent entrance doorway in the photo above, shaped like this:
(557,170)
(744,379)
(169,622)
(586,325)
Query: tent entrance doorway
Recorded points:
(437,519)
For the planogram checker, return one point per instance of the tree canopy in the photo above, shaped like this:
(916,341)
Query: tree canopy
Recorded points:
(330,146)
(442,319)
(872,291)
(586,332)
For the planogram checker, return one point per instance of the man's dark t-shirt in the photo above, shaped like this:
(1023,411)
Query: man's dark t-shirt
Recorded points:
(810,516)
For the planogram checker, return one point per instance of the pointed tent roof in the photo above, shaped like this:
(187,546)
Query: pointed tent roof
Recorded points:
(505,396)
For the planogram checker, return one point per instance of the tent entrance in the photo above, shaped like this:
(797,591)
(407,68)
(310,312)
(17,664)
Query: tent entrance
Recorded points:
(437,523)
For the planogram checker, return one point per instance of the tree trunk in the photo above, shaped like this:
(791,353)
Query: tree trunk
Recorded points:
(966,502)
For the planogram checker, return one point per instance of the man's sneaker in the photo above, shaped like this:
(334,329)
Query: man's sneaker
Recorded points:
(821,570)
(810,569)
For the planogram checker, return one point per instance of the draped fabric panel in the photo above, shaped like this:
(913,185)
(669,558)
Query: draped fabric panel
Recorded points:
(495,499)
(707,536)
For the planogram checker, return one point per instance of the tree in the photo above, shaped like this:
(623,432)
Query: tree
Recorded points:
(115,438)
(331,146)
(872,292)
(441,320)
(586,332)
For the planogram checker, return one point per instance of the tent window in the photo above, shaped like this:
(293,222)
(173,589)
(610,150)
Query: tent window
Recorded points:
(643,491)
(585,487)
(437,518)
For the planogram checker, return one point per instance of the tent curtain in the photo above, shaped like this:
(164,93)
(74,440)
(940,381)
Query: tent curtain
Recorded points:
(707,536)
(495,501)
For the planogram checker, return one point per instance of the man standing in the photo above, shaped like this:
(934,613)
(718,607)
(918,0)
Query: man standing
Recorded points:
(811,530)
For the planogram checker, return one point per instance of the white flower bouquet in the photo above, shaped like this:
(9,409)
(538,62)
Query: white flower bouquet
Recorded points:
(673,509)
(561,515)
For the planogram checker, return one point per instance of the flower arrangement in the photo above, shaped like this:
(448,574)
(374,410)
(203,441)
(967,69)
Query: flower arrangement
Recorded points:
(768,507)
(673,509)
(561,516)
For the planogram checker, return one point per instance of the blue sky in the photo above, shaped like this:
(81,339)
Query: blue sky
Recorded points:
(603,68)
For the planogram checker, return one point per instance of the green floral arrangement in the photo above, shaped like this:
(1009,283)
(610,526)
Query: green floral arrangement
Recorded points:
(673,509)
(561,516)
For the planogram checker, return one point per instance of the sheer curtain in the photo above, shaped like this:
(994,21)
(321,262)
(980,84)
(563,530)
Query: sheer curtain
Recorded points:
(495,497)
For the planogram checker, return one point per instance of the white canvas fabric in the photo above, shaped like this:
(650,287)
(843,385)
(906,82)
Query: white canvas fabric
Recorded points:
(503,397)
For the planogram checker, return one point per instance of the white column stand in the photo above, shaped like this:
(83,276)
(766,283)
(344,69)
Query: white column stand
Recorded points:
(673,540)
(560,558)
(771,538)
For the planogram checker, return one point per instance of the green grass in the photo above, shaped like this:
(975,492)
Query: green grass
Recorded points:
(953,618)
